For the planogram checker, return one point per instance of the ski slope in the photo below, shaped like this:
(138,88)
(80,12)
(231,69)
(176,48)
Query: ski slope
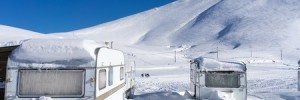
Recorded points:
(203,25)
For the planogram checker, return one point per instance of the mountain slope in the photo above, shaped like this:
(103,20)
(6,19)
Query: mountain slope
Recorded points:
(200,26)
(10,36)
(151,27)
(260,23)
(232,23)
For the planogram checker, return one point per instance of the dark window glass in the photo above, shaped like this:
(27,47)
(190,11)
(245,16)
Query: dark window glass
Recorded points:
(222,79)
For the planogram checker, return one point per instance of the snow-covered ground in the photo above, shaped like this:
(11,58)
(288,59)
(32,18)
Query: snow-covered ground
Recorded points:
(267,76)
(270,81)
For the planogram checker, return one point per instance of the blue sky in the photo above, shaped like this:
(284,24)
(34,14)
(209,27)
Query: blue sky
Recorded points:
(48,16)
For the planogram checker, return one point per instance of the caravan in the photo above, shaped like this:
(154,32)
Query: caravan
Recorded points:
(67,69)
(218,80)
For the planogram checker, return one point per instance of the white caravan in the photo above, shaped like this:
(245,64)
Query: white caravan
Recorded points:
(69,69)
(218,80)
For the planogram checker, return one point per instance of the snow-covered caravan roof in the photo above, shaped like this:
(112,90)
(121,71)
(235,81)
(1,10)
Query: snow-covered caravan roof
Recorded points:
(206,64)
(49,53)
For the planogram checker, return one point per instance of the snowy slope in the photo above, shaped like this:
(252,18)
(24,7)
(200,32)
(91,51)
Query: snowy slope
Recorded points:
(239,23)
(153,26)
(202,25)
(193,22)
(10,36)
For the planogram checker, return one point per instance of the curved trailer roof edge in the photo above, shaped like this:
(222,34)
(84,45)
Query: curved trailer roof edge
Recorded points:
(57,53)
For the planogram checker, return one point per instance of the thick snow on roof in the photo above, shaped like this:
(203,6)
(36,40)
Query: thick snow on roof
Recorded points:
(54,53)
(207,64)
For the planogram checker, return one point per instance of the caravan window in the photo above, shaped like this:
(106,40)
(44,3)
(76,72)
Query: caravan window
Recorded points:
(121,73)
(53,83)
(110,75)
(222,79)
(102,79)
